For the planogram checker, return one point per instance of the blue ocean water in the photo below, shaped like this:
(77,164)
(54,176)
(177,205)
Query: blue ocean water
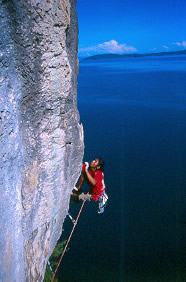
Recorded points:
(134,116)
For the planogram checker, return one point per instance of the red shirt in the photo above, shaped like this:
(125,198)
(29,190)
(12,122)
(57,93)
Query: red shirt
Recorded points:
(96,190)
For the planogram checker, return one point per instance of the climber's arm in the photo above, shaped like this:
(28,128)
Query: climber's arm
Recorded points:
(90,178)
(81,181)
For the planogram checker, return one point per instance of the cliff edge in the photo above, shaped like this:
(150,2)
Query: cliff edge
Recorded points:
(41,139)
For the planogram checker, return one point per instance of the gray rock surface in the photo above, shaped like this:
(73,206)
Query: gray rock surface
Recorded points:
(41,139)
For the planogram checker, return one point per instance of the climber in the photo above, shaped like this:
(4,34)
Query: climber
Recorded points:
(93,175)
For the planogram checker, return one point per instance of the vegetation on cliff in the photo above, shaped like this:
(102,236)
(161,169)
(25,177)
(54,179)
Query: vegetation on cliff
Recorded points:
(54,259)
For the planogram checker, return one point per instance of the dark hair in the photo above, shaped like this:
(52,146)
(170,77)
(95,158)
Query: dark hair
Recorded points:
(101,163)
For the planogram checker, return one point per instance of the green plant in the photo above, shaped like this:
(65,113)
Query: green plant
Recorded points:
(54,259)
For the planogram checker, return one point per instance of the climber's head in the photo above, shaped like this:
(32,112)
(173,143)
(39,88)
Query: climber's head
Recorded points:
(97,164)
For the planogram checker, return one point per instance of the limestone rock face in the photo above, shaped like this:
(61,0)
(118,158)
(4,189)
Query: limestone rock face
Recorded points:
(41,139)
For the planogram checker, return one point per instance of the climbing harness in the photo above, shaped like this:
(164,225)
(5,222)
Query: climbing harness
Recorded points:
(74,222)
(83,195)
(102,201)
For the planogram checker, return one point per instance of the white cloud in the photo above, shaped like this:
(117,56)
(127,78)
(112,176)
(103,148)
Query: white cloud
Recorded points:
(166,47)
(154,49)
(181,44)
(111,46)
(177,43)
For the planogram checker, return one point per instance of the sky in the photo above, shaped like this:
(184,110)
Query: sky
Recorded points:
(131,26)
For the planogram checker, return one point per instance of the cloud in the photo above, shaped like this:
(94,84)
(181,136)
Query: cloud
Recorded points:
(111,46)
(166,47)
(153,49)
(181,44)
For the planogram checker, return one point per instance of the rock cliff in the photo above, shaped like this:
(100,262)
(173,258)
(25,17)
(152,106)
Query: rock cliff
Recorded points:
(41,139)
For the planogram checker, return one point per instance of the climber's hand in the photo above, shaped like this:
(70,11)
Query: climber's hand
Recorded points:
(87,166)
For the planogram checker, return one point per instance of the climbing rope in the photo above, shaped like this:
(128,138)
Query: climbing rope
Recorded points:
(69,238)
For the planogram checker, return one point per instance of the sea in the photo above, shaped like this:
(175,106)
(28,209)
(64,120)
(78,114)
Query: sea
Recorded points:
(133,111)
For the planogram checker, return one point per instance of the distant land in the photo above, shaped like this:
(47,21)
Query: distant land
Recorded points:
(112,56)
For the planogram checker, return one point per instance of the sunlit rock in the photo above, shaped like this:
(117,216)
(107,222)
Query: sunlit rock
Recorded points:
(41,139)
